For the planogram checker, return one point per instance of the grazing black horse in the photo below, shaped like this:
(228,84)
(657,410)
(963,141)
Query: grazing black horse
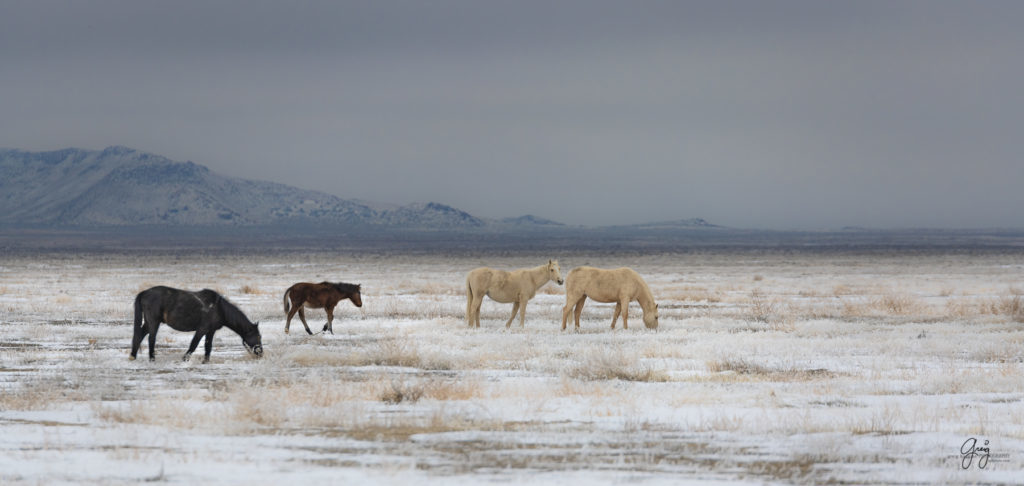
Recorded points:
(204,312)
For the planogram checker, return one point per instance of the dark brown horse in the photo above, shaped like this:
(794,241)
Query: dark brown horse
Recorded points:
(323,295)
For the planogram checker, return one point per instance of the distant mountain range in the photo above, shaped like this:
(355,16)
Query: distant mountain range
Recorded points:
(123,187)
(120,186)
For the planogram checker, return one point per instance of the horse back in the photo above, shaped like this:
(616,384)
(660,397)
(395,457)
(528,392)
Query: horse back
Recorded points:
(604,285)
(207,296)
(158,299)
(313,295)
(486,278)
(180,309)
(300,290)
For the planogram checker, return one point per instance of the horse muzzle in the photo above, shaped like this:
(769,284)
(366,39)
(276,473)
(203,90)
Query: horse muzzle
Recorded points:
(255,350)
(559,282)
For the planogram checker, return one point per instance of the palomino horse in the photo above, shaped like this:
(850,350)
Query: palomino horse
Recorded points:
(518,287)
(203,312)
(324,295)
(621,286)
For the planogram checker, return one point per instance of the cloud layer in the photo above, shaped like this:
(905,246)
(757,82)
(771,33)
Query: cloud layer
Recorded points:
(755,114)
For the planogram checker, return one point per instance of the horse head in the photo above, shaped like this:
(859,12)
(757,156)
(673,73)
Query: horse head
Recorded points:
(253,342)
(356,296)
(651,318)
(554,271)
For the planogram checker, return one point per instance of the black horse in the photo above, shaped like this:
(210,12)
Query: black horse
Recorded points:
(204,312)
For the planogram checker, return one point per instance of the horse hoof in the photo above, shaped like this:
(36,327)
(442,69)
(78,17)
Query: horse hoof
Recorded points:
(152,360)
(131,358)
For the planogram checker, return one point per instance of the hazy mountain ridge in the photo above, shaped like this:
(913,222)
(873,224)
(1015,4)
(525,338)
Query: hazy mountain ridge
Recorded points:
(37,186)
(529,219)
(123,198)
(682,223)
(119,186)
(432,214)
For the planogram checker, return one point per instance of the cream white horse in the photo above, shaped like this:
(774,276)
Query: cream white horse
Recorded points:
(518,287)
(621,285)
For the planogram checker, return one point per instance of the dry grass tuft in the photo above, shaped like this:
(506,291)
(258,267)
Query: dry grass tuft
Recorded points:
(763,309)
(401,428)
(34,397)
(604,364)
(251,405)
(398,391)
(402,391)
(841,290)
(165,412)
(851,308)
(898,304)
(750,369)
(691,294)
(395,351)
(741,366)
(882,421)
(316,357)
(1011,306)
(455,390)
(962,308)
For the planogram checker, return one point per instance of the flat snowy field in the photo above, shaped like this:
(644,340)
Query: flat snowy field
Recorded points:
(768,367)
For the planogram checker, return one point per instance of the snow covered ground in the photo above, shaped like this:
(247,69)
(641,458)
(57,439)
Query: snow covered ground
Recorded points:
(768,367)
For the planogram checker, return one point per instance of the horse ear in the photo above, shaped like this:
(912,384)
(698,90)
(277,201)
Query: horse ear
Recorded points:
(256,325)
(550,261)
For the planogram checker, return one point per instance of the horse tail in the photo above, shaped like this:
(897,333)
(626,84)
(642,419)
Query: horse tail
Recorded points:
(469,301)
(286,306)
(138,310)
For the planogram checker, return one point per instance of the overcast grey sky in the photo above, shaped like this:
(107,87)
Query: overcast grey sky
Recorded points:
(763,114)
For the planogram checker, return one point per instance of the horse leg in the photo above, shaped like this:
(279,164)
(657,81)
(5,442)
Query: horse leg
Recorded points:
(625,313)
(569,306)
(615,317)
(515,310)
(469,305)
(302,316)
(140,333)
(193,345)
(565,312)
(291,313)
(579,310)
(478,300)
(207,347)
(522,315)
(152,324)
(330,320)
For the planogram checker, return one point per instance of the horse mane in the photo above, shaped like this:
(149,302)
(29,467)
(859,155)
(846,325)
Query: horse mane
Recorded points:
(232,314)
(345,288)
